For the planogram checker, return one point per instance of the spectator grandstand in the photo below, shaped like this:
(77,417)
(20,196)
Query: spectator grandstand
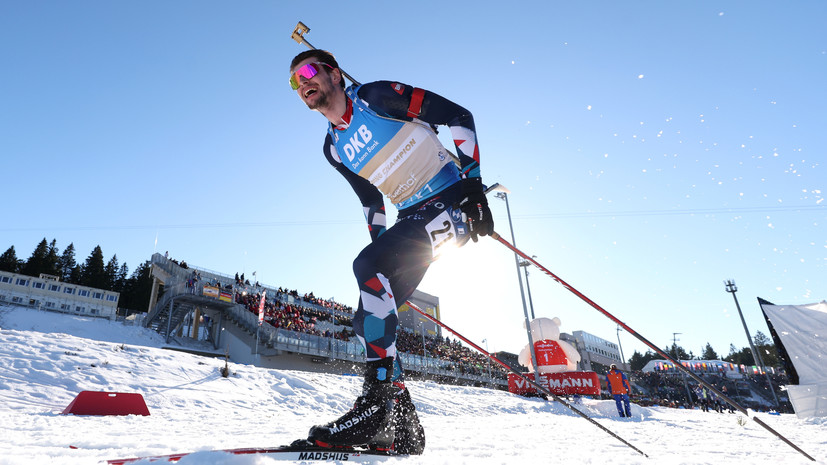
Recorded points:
(292,321)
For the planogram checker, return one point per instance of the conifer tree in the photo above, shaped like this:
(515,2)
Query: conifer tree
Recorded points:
(637,361)
(93,272)
(111,272)
(75,275)
(9,261)
(37,263)
(709,353)
(52,259)
(66,263)
(137,289)
(678,352)
(123,276)
(766,349)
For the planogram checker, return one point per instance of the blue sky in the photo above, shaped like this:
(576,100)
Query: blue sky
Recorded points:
(652,149)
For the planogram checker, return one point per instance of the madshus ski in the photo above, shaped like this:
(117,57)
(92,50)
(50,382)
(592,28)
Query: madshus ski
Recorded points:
(291,452)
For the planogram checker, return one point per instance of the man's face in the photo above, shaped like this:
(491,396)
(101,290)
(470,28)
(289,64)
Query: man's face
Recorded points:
(317,92)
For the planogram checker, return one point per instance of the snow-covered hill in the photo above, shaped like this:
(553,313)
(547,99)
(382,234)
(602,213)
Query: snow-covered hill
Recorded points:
(47,358)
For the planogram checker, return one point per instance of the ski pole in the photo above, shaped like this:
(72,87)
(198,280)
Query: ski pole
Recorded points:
(298,36)
(508,367)
(649,344)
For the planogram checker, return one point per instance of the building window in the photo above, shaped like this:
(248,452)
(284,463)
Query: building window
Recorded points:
(38,285)
(98,295)
(68,290)
(54,287)
(17,300)
(5,279)
(83,292)
(22,282)
(112,298)
(50,305)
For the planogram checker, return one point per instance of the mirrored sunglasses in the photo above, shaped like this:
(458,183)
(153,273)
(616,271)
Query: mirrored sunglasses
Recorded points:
(307,71)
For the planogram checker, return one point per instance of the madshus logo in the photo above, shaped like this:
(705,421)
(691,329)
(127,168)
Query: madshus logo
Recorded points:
(330,456)
(355,420)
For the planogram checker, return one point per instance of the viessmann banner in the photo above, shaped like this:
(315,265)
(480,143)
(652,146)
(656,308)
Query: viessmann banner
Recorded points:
(573,382)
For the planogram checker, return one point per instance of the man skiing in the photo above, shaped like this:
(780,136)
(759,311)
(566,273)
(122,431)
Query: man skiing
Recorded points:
(619,387)
(381,138)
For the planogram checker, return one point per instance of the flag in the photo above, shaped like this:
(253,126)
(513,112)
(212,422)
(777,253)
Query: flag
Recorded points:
(261,308)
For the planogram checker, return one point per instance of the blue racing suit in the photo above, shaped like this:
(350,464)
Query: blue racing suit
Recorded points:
(388,145)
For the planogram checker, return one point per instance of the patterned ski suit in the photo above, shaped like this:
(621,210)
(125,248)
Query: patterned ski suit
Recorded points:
(388,145)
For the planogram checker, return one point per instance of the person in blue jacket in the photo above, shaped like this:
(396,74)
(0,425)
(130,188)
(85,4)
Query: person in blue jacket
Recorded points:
(619,387)
(381,137)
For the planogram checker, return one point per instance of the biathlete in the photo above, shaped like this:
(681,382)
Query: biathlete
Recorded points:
(381,138)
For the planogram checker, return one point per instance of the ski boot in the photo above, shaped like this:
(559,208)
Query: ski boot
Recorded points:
(369,422)
(409,433)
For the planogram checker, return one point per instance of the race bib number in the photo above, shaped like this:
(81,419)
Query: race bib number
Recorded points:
(442,233)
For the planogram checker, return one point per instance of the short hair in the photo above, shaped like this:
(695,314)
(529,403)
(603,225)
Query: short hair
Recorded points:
(320,55)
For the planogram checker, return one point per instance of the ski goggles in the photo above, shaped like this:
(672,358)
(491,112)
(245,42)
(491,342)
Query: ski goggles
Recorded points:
(307,71)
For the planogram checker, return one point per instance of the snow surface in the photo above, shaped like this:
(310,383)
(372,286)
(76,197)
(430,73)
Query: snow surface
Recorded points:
(46,359)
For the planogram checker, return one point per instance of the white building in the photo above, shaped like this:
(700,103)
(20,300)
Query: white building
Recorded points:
(595,349)
(48,293)
(412,321)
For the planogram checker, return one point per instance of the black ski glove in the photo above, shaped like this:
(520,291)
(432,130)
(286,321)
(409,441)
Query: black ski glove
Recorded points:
(474,207)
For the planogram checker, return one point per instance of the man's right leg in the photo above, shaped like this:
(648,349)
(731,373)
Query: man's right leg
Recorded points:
(403,254)
(387,271)
(370,419)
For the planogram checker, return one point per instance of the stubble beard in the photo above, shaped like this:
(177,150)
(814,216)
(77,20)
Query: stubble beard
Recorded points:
(322,102)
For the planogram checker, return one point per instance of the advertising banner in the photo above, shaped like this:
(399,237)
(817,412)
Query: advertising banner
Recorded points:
(572,382)
(261,308)
(211,291)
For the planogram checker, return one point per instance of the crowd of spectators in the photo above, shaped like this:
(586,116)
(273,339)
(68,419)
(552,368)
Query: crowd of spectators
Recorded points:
(670,390)
(328,304)
(455,355)
(307,318)
(298,318)
(182,263)
(243,285)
